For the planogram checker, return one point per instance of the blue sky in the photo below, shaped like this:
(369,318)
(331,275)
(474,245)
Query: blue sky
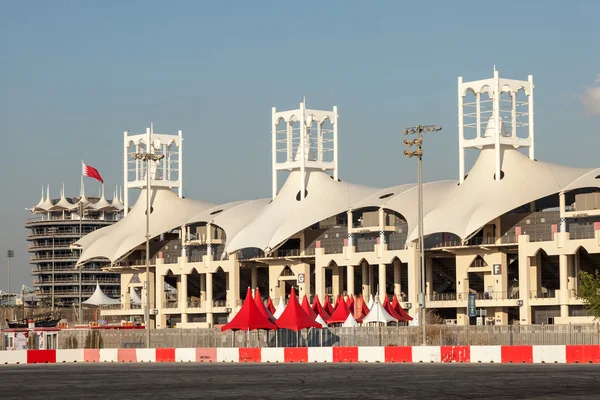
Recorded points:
(75,75)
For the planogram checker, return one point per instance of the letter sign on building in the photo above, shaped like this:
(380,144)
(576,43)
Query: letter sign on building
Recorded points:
(497,269)
(300,278)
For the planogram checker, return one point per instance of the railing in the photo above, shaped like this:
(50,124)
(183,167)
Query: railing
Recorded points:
(309,251)
(365,247)
(171,304)
(125,307)
(219,303)
(86,218)
(437,335)
(583,234)
(445,296)
(479,241)
(69,233)
(195,303)
(75,281)
(542,294)
(56,257)
(287,253)
(334,249)
(171,260)
(479,296)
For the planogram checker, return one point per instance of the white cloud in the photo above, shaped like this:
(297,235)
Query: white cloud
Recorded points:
(591,99)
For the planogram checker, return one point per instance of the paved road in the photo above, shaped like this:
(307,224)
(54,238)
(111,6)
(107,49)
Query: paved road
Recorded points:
(292,381)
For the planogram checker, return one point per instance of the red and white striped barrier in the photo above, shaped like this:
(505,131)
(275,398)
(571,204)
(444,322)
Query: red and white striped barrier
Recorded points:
(400,354)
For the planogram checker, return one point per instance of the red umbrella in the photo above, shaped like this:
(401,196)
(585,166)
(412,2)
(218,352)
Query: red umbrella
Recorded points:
(307,309)
(341,312)
(350,303)
(261,306)
(403,315)
(249,317)
(270,305)
(316,307)
(294,317)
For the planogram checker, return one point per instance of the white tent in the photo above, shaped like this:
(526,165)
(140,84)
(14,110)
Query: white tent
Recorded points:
(350,322)
(371,302)
(135,299)
(100,299)
(320,320)
(279,309)
(378,314)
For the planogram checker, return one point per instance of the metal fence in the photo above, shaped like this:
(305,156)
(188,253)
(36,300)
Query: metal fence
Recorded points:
(437,335)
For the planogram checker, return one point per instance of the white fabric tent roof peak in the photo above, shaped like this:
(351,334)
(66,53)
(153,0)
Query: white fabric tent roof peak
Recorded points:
(100,299)
(378,314)
(280,308)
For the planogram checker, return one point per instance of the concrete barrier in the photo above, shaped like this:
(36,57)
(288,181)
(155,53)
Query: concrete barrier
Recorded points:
(91,355)
(517,354)
(127,355)
(426,354)
(13,357)
(549,354)
(109,355)
(371,354)
(345,354)
(296,354)
(486,354)
(206,355)
(41,356)
(400,354)
(320,354)
(583,354)
(458,354)
(146,355)
(228,355)
(168,355)
(272,355)
(184,355)
(69,356)
(250,354)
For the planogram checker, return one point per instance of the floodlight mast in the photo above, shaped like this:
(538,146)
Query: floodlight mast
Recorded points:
(418,142)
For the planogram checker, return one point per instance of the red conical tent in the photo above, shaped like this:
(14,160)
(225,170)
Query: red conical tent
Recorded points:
(387,307)
(350,303)
(327,306)
(404,317)
(307,309)
(360,309)
(340,315)
(270,305)
(261,306)
(294,317)
(316,307)
(249,317)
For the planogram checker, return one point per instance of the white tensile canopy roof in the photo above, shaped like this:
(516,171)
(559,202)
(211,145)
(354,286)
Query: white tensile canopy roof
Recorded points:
(378,314)
(114,241)
(350,322)
(480,198)
(133,296)
(101,204)
(100,299)
(63,203)
(371,302)
(286,216)
(280,308)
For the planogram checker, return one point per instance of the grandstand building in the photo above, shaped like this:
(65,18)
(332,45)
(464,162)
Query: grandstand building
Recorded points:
(54,226)
(506,239)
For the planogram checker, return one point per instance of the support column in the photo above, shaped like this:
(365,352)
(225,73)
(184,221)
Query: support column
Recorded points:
(524,282)
(397,285)
(428,277)
(564,261)
(320,281)
(202,290)
(183,298)
(254,278)
(335,281)
(209,299)
(304,288)
(233,292)
(365,279)
(159,301)
(350,279)
(382,283)
(561,202)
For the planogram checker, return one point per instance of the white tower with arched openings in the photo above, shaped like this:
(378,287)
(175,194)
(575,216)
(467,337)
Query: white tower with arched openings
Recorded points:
(494,100)
(165,173)
(312,133)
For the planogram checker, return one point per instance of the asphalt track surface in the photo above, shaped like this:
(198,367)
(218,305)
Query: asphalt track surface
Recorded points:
(294,381)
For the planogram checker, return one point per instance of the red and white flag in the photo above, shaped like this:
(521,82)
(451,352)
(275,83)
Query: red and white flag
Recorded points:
(91,172)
